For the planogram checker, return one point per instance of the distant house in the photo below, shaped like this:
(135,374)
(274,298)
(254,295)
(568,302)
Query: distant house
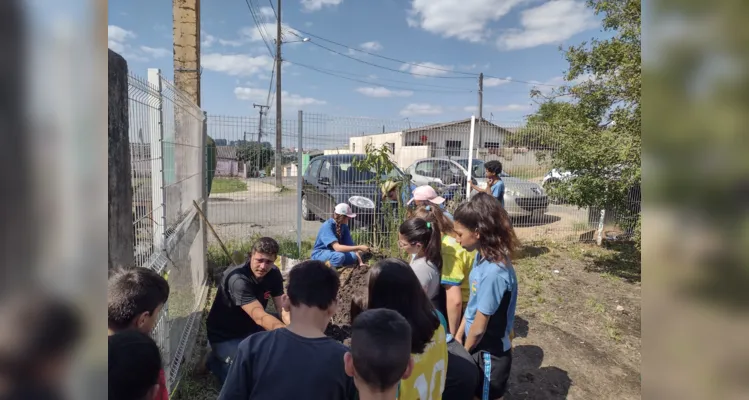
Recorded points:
(448,139)
(227,163)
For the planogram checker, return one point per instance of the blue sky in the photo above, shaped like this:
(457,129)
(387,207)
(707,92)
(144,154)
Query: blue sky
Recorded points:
(516,39)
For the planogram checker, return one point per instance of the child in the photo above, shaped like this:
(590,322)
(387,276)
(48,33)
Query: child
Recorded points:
(456,265)
(494,184)
(482,224)
(334,244)
(426,195)
(134,366)
(422,240)
(299,361)
(393,285)
(135,297)
(380,354)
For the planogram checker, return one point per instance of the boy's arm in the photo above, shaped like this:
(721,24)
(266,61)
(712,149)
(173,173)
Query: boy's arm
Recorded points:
(454,307)
(461,331)
(238,385)
(285,316)
(343,248)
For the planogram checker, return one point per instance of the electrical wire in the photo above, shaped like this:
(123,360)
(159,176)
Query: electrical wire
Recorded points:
(270,85)
(377,83)
(273,8)
(416,64)
(333,71)
(388,68)
(260,26)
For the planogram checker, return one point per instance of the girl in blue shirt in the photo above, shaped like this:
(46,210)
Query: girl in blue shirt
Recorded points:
(334,244)
(483,225)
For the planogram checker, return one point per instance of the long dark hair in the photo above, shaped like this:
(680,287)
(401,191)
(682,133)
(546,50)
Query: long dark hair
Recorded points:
(394,285)
(485,215)
(418,230)
(435,215)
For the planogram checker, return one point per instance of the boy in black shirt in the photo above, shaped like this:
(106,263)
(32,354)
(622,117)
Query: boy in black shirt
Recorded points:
(239,308)
(298,362)
(134,366)
(380,354)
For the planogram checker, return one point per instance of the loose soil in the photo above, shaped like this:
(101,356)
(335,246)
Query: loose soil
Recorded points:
(577,324)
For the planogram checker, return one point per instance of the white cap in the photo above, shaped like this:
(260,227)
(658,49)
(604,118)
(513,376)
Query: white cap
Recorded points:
(344,209)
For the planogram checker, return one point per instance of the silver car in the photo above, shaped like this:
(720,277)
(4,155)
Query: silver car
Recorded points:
(522,198)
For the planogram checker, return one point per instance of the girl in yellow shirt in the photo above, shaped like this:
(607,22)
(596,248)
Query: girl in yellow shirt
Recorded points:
(394,285)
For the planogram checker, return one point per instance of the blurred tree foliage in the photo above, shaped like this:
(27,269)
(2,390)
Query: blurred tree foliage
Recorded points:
(595,119)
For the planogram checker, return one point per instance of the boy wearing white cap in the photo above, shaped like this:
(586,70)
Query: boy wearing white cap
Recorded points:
(334,244)
(425,195)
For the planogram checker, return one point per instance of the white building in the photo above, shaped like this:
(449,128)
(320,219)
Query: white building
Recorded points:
(450,139)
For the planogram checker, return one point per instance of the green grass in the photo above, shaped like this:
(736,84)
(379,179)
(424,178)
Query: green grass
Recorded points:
(527,171)
(287,247)
(228,185)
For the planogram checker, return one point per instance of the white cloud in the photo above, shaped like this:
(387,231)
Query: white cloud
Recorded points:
(497,109)
(207,41)
(315,5)
(155,52)
(119,35)
(288,99)
(493,82)
(421,109)
(268,12)
(460,19)
(230,43)
(549,23)
(383,92)
(236,64)
(426,68)
(252,34)
(371,46)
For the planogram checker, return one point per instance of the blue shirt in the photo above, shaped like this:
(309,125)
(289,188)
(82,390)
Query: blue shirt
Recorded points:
(326,236)
(494,292)
(498,191)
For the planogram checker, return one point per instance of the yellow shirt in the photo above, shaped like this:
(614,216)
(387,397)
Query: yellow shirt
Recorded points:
(427,380)
(457,263)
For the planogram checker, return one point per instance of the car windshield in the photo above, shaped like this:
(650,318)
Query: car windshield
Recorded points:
(344,172)
(478,167)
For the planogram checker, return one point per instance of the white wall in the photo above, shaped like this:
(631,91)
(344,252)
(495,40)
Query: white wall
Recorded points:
(336,151)
(409,154)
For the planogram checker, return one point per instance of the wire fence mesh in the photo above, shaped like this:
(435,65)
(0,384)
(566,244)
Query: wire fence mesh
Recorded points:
(168,172)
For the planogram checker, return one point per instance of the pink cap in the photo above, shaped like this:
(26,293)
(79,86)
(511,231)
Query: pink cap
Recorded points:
(426,193)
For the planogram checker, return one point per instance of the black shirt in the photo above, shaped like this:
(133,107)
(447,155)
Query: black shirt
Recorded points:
(238,287)
(279,365)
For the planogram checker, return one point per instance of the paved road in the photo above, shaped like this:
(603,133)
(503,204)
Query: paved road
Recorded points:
(276,215)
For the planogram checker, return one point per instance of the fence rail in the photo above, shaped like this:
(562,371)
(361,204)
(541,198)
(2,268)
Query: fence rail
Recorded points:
(168,173)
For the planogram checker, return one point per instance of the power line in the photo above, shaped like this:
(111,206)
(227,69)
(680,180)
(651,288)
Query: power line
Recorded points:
(273,8)
(333,71)
(388,68)
(377,83)
(270,85)
(415,64)
(388,58)
(260,26)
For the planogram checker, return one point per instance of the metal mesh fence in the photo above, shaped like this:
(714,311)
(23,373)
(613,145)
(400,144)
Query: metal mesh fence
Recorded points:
(168,172)
(246,201)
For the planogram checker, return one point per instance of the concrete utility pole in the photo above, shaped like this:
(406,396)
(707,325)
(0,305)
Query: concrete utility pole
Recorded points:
(279,122)
(481,110)
(186,20)
(260,121)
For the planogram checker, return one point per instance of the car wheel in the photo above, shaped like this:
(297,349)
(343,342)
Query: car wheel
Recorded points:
(306,213)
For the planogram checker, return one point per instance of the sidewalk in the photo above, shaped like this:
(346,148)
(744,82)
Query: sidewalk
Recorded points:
(255,188)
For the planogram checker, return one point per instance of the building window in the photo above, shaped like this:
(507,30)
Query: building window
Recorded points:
(492,147)
(391,146)
(452,148)
(353,147)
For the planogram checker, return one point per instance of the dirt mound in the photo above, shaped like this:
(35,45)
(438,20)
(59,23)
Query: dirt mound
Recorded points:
(353,281)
